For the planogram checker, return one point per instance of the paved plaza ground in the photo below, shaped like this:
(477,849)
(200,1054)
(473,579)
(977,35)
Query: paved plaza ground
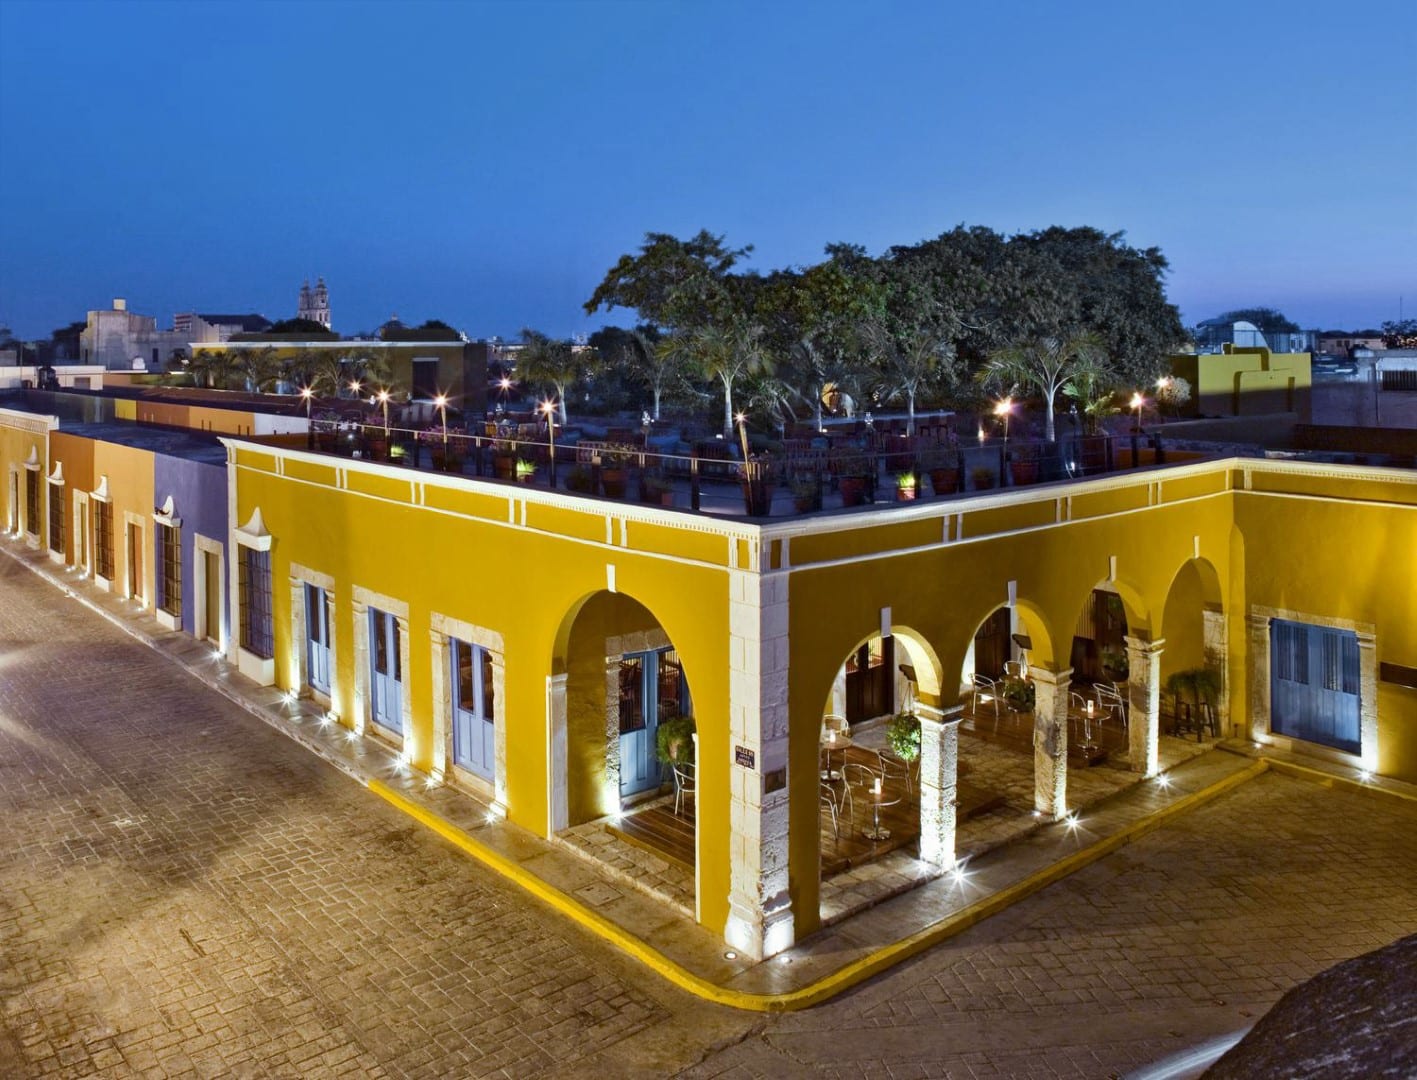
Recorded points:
(185,892)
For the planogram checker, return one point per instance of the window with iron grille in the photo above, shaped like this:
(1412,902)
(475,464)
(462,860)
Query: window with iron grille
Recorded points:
(103,539)
(32,502)
(255,589)
(56,518)
(169,556)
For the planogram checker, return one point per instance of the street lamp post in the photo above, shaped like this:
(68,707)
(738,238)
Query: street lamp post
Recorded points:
(383,398)
(307,394)
(1136,403)
(549,409)
(441,403)
(1004,410)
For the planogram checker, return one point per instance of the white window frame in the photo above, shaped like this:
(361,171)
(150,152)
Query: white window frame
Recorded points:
(255,536)
(442,629)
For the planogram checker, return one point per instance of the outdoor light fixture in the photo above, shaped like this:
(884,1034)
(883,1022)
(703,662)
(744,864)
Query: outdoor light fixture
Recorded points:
(308,394)
(355,386)
(730,955)
(290,697)
(1137,402)
(383,398)
(742,419)
(1004,409)
(1072,821)
(1365,776)
(441,402)
(549,409)
(1163,780)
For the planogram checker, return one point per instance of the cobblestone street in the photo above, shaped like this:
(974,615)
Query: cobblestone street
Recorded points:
(185,892)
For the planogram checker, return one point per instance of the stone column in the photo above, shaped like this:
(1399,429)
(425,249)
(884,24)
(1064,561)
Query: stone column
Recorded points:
(939,782)
(1217,659)
(760,919)
(1259,677)
(1050,741)
(1144,704)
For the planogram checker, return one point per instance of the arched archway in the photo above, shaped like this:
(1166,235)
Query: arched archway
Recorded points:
(1193,625)
(878,802)
(619,677)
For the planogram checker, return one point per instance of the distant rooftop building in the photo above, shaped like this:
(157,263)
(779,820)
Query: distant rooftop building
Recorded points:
(206,329)
(1213,335)
(121,340)
(315,303)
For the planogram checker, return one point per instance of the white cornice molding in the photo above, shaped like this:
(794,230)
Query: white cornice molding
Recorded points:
(166,515)
(254,533)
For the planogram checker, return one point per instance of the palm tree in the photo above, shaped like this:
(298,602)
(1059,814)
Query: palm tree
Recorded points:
(910,361)
(554,363)
(657,367)
(1093,387)
(259,368)
(213,368)
(724,352)
(1046,364)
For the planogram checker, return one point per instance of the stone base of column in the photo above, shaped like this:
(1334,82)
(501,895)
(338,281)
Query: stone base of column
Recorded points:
(761,933)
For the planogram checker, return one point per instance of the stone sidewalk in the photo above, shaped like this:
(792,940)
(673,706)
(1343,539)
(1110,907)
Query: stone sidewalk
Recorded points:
(638,922)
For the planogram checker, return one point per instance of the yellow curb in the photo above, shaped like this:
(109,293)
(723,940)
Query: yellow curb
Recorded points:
(844,978)
(1329,780)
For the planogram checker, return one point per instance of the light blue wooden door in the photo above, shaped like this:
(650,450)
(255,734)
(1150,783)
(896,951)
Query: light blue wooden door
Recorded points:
(474,710)
(386,670)
(652,689)
(317,637)
(1314,684)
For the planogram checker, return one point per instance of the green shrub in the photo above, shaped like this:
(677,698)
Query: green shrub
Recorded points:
(903,736)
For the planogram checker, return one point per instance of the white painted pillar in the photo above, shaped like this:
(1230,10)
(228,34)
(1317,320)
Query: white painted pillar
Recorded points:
(1050,741)
(1144,704)
(939,782)
(760,919)
(558,813)
(1217,659)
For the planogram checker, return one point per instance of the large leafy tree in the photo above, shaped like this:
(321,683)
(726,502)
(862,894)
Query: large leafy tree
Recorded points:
(214,368)
(672,283)
(1044,364)
(1400,334)
(911,361)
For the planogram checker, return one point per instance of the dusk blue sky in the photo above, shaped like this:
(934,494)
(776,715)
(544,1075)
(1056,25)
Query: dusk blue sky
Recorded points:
(486,163)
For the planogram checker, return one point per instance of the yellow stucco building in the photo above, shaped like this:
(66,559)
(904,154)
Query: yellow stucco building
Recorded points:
(436,595)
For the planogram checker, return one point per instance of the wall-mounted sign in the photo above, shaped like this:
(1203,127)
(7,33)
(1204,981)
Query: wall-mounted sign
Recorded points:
(745,757)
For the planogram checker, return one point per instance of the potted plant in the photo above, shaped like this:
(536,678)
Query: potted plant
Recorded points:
(1196,688)
(1114,663)
(1023,464)
(674,740)
(1019,694)
(656,490)
(943,467)
(580,479)
(905,487)
(614,471)
(903,736)
(504,460)
(525,470)
(981,477)
(757,487)
(853,473)
(806,492)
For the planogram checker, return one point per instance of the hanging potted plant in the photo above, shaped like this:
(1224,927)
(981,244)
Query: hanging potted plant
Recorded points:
(674,741)
(903,736)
